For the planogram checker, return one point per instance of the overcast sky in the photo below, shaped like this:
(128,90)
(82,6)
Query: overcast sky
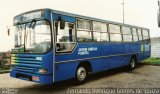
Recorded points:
(137,12)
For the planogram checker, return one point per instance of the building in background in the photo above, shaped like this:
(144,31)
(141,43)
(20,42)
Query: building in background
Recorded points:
(155,47)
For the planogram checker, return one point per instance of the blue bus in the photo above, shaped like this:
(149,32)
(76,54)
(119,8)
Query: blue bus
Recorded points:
(51,46)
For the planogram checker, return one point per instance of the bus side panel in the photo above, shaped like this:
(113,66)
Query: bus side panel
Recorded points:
(102,62)
(133,48)
(102,57)
(64,71)
(119,61)
(140,52)
(118,55)
(130,49)
(144,51)
(99,64)
(114,56)
(147,50)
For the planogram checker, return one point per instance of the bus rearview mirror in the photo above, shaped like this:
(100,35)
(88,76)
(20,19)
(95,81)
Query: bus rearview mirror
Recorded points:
(8,31)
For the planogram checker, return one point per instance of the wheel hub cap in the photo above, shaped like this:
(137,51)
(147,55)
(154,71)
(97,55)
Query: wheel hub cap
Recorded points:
(81,73)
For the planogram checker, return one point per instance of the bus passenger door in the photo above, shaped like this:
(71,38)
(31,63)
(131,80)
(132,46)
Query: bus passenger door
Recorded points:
(65,41)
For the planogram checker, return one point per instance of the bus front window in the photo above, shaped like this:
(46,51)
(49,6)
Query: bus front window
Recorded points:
(34,37)
(65,39)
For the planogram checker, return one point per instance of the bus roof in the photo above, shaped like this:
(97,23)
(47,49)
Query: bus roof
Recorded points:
(82,17)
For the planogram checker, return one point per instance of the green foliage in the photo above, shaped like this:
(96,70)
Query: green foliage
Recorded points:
(4,61)
(152,61)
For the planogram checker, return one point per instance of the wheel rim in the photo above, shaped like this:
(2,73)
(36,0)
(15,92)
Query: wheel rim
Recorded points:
(132,63)
(81,74)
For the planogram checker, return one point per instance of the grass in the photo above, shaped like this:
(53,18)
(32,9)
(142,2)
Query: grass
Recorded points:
(1,69)
(152,61)
(4,69)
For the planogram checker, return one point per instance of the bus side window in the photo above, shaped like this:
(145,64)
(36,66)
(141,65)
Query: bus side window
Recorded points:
(140,34)
(84,31)
(145,34)
(100,32)
(135,35)
(127,34)
(115,33)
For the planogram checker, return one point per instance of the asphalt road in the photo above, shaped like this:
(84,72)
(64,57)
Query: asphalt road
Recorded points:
(144,76)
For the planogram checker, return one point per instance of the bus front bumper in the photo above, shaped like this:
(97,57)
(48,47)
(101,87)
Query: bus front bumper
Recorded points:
(38,78)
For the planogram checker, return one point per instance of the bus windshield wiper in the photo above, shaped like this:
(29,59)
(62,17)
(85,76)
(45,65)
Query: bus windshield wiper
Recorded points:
(33,23)
(31,26)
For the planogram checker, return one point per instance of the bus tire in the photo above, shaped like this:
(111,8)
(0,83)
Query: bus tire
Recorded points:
(132,64)
(81,75)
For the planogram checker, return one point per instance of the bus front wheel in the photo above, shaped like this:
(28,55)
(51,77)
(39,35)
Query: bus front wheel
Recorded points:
(81,74)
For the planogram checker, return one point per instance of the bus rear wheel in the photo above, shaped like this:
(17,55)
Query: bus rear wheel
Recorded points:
(81,75)
(132,64)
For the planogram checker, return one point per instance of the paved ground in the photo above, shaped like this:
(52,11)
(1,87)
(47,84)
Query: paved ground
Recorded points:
(144,76)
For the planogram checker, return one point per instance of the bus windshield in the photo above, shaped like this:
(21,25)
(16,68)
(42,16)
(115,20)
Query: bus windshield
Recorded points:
(33,37)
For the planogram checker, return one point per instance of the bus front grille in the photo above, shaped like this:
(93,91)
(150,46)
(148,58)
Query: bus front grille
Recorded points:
(25,63)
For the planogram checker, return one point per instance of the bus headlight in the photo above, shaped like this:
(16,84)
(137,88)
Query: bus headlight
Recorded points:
(42,70)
